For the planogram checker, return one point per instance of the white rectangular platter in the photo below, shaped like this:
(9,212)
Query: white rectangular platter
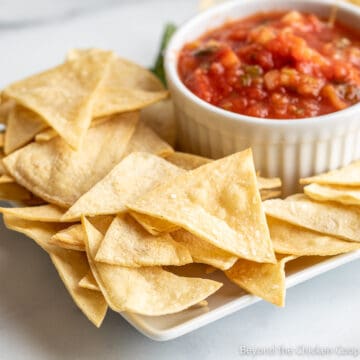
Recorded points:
(229,299)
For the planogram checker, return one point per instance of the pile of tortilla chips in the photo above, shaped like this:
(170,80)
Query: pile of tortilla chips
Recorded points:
(119,212)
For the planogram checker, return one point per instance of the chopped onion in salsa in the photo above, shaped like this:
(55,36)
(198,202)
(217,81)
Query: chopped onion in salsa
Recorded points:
(279,65)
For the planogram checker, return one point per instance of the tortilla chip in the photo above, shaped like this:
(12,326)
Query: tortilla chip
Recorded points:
(126,87)
(22,126)
(71,266)
(327,218)
(45,213)
(75,172)
(342,194)
(89,282)
(347,176)
(2,167)
(64,96)
(71,238)
(132,177)
(14,191)
(146,140)
(160,117)
(40,232)
(204,252)
(126,243)
(218,202)
(266,281)
(148,291)
(187,161)
(291,239)
(2,139)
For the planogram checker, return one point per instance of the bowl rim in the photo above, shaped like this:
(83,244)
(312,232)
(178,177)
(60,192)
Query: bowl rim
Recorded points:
(177,42)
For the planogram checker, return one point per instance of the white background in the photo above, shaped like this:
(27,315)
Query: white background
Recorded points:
(37,317)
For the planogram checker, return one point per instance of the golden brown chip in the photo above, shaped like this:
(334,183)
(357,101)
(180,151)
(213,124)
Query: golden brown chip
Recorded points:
(40,232)
(327,218)
(343,194)
(204,252)
(45,213)
(71,266)
(75,172)
(187,161)
(346,176)
(218,202)
(22,126)
(126,243)
(2,139)
(126,87)
(147,290)
(161,118)
(64,96)
(266,281)
(135,175)
(291,239)
(89,282)
(146,140)
(70,238)
(14,192)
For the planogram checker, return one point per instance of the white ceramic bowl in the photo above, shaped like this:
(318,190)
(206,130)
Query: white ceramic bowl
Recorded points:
(287,148)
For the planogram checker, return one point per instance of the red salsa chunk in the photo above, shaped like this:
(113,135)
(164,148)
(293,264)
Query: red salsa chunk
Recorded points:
(279,65)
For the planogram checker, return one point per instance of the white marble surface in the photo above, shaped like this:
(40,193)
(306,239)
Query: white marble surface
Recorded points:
(38,319)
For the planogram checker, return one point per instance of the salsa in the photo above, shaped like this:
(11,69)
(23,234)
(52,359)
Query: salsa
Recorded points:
(279,65)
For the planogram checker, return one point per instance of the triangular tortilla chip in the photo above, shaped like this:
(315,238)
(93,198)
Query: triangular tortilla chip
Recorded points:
(146,140)
(160,117)
(73,237)
(40,232)
(218,202)
(136,174)
(71,266)
(45,213)
(204,252)
(327,218)
(126,87)
(76,171)
(263,280)
(126,243)
(89,282)
(342,194)
(347,176)
(291,239)
(64,96)
(70,238)
(147,290)
(22,126)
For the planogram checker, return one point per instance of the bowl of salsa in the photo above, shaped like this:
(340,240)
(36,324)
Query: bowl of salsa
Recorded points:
(282,77)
